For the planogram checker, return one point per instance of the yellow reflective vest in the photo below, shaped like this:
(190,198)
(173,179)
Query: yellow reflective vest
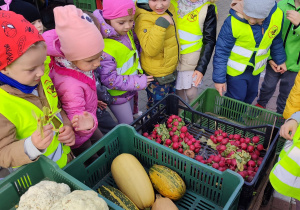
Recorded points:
(285,176)
(190,33)
(26,124)
(127,60)
(244,46)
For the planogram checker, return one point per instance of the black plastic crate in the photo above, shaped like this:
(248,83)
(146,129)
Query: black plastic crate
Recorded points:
(196,121)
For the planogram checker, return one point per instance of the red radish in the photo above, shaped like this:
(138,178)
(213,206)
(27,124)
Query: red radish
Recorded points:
(169,125)
(197,150)
(259,162)
(203,161)
(179,119)
(254,156)
(244,146)
(211,156)
(218,147)
(169,121)
(174,129)
(199,158)
(175,123)
(250,148)
(173,116)
(186,139)
(224,141)
(220,130)
(222,169)
(192,147)
(231,136)
(168,142)
(153,135)
(260,158)
(156,126)
(232,142)
(242,173)
(222,147)
(180,150)
(228,161)
(242,140)
(175,138)
(219,138)
(158,141)
(231,153)
(224,135)
(256,169)
(209,160)
(193,140)
(215,141)
(182,135)
(212,137)
(237,137)
(247,140)
(237,143)
(221,163)
(222,159)
(233,162)
(245,167)
(197,145)
(189,136)
(251,163)
(217,133)
(249,178)
(171,133)
(189,142)
(232,168)
(255,139)
(216,159)
(215,165)
(183,129)
(175,145)
(239,150)
(257,152)
(260,147)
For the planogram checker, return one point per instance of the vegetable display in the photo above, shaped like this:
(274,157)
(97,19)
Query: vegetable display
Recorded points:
(132,179)
(163,204)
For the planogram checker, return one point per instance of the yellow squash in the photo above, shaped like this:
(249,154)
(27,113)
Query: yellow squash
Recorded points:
(132,180)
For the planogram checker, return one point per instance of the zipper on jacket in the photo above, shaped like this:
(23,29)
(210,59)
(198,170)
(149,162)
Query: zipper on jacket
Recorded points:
(171,15)
(286,35)
(298,59)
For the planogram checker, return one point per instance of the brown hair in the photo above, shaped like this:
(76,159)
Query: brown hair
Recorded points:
(95,20)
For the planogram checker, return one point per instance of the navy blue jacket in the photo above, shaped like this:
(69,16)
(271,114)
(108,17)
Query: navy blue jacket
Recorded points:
(226,41)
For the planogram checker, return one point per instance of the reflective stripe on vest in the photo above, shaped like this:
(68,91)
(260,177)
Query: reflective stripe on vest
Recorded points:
(245,44)
(26,124)
(127,60)
(190,33)
(285,176)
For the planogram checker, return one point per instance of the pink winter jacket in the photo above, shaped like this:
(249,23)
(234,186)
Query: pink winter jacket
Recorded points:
(76,91)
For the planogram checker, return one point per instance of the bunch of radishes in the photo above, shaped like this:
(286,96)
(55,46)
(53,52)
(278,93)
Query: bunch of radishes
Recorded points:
(235,153)
(174,134)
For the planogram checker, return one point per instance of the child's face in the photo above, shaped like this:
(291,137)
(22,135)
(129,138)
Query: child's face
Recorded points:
(29,68)
(38,25)
(159,6)
(89,64)
(253,21)
(123,24)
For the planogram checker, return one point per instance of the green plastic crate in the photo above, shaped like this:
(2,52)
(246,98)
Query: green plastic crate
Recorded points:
(210,102)
(207,188)
(88,5)
(17,183)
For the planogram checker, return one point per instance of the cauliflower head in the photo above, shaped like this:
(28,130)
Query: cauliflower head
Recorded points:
(43,195)
(81,200)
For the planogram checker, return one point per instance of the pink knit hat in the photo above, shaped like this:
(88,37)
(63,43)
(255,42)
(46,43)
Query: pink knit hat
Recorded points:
(78,35)
(113,9)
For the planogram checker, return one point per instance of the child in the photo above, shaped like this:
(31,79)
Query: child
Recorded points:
(285,176)
(25,89)
(77,49)
(120,70)
(155,27)
(197,25)
(290,35)
(246,39)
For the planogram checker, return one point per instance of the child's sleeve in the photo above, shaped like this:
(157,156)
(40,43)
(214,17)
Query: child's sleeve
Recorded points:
(12,150)
(110,78)
(293,101)
(151,35)
(225,43)
(277,49)
(209,39)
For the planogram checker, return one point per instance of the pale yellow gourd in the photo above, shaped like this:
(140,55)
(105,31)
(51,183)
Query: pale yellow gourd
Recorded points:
(132,179)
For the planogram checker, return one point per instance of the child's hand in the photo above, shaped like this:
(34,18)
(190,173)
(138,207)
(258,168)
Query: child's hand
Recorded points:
(293,16)
(286,128)
(220,87)
(83,122)
(169,19)
(149,79)
(42,143)
(66,135)
(102,105)
(199,77)
(273,65)
(281,68)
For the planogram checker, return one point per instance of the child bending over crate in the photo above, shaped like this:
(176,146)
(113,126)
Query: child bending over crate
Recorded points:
(285,176)
(25,91)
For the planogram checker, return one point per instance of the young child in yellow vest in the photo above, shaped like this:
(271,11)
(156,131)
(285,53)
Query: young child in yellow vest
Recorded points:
(76,47)
(25,89)
(248,36)
(197,26)
(120,69)
(285,176)
(155,27)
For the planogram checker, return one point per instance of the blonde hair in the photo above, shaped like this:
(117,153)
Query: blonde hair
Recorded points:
(212,1)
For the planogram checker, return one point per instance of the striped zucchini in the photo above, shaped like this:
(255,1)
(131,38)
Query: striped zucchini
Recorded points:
(117,197)
(167,182)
